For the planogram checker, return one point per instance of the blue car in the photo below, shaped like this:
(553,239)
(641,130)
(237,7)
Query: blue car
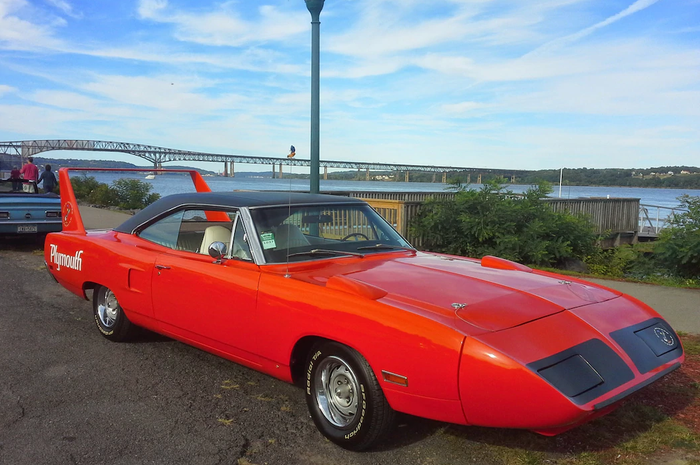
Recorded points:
(23,211)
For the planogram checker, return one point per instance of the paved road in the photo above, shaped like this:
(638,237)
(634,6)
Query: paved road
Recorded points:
(69,396)
(681,307)
(101,218)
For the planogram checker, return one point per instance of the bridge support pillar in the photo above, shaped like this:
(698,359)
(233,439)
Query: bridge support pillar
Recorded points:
(231,172)
(280,170)
(478,181)
(444,177)
(512,179)
(367,175)
(226,169)
(469,178)
(358,174)
(406,176)
(325,173)
(273,171)
(434,176)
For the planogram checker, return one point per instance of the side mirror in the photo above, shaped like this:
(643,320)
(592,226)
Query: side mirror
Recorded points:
(217,250)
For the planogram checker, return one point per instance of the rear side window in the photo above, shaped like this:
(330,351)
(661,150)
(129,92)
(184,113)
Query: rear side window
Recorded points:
(164,231)
(195,230)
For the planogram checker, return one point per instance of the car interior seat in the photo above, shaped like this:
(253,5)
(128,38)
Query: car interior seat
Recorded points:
(214,234)
(289,235)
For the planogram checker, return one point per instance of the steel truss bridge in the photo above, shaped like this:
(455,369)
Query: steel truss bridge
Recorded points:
(159,155)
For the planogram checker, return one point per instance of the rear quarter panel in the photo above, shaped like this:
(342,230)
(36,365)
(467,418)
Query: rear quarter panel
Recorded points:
(106,258)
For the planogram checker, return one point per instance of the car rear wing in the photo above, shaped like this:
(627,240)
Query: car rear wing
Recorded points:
(73,222)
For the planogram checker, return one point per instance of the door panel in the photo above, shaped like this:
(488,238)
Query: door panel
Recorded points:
(212,303)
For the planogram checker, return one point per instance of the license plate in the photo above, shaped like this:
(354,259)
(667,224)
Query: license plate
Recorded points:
(27,228)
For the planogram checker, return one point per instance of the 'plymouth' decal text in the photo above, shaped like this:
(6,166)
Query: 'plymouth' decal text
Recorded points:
(74,262)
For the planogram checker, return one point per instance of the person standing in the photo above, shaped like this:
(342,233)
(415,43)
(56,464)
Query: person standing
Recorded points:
(48,178)
(15,178)
(30,173)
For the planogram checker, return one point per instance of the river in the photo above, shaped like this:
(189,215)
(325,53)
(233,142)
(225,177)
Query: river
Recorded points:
(173,184)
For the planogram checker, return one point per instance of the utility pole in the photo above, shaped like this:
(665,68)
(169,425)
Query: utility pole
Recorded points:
(315,7)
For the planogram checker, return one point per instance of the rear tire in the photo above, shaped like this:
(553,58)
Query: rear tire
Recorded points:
(109,316)
(344,397)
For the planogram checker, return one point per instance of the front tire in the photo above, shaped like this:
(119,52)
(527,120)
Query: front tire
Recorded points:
(344,397)
(109,316)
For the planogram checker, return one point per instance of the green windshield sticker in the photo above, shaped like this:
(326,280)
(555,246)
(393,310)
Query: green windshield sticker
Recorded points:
(268,240)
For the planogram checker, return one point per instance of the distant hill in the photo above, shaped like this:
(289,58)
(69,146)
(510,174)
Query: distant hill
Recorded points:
(687,177)
(6,164)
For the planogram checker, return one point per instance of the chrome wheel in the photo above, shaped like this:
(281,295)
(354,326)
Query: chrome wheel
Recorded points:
(336,391)
(107,308)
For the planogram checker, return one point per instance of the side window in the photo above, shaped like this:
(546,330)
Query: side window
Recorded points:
(195,230)
(164,231)
(240,248)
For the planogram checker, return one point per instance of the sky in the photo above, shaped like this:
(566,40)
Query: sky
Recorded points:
(509,84)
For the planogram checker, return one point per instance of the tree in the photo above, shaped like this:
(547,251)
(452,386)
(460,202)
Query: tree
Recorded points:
(678,247)
(132,194)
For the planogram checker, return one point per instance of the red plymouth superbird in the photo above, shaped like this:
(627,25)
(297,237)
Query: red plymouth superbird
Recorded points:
(321,291)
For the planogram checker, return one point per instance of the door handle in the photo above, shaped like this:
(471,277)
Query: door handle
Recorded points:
(162,267)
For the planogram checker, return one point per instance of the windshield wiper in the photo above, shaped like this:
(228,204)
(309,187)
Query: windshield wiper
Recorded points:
(325,252)
(385,247)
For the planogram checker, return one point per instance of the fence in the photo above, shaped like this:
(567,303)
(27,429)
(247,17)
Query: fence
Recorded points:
(617,216)
(654,218)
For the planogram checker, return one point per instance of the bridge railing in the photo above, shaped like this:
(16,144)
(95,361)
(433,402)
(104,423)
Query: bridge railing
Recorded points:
(654,218)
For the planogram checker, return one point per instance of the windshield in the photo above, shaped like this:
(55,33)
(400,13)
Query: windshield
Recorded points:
(299,233)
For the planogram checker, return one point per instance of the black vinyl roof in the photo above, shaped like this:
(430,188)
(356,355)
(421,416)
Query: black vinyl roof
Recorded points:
(250,199)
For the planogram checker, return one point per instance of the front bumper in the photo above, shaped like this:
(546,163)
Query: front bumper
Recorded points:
(555,373)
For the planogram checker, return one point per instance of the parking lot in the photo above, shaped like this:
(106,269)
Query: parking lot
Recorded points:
(67,395)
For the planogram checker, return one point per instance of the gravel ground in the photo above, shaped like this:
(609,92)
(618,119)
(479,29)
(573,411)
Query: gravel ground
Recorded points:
(69,396)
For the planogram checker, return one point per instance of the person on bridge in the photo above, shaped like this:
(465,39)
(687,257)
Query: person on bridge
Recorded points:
(48,178)
(29,172)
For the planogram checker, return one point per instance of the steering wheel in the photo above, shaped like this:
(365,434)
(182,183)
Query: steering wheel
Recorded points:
(355,234)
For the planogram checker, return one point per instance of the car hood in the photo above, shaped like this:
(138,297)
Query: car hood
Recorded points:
(482,295)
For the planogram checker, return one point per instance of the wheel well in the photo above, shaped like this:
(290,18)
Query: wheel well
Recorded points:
(89,285)
(300,353)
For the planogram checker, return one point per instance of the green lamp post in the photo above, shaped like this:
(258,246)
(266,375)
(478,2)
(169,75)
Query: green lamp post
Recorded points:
(315,7)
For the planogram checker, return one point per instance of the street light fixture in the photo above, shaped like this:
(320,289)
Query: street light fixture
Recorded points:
(315,7)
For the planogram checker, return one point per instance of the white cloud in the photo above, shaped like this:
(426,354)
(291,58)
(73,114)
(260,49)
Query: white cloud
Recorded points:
(65,7)
(462,107)
(172,93)
(6,89)
(20,34)
(224,26)
(637,6)
(150,9)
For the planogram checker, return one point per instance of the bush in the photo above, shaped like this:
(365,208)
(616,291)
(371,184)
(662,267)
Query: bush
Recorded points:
(129,194)
(678,247)
(83,186)
(103,196)
(626,261)
(494,221)
(133,194)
